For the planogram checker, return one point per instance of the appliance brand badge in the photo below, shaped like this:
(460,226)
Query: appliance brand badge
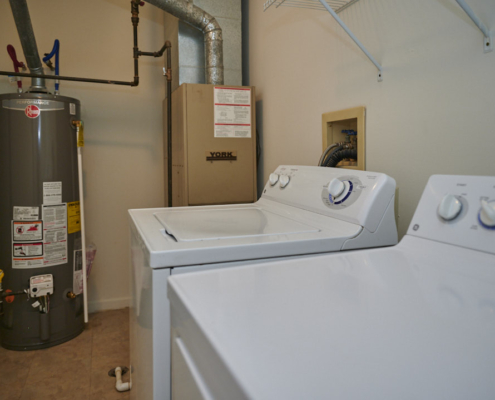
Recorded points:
(221,155)
(32,111)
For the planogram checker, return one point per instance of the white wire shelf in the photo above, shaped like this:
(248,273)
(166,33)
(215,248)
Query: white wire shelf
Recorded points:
(333,7)
(337,5)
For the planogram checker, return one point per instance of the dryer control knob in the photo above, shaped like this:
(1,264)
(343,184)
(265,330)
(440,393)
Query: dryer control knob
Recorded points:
(335,187)
(449,208)
(284,180)
(487,214)
(273,179)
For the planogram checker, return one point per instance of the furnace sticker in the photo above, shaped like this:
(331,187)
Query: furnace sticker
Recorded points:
(232,112)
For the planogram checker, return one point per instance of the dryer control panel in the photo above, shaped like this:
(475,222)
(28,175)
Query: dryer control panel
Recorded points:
(458,210)
(359,197)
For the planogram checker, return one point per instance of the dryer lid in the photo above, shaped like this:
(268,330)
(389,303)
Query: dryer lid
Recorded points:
(189,225)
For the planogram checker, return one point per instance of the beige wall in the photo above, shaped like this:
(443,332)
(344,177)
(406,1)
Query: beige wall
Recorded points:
(434,112)
(123,126)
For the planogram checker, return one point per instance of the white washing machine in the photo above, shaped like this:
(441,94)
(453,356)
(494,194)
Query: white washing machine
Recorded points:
(295,216)
(413,321)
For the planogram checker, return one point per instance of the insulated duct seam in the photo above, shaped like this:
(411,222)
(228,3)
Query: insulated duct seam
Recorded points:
(187,12)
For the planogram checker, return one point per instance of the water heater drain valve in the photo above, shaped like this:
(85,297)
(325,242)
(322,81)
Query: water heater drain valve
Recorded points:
(41,285)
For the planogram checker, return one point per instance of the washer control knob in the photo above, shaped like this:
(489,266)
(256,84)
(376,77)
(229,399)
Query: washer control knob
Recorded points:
(284,180)
(487,214)
(449,208)
(335,187)
(273,179)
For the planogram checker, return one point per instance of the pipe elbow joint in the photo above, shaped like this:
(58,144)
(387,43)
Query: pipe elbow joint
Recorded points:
(119,385)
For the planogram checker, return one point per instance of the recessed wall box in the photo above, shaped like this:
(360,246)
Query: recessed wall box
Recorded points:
(352,119)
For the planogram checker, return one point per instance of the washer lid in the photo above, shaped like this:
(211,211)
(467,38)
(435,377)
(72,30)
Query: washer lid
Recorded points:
(202,224)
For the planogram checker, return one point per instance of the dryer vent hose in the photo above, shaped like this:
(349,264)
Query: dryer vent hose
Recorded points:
(340,155)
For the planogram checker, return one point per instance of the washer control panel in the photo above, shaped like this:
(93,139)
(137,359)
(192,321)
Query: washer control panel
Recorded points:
(341,192)
(459,210)
(359,197)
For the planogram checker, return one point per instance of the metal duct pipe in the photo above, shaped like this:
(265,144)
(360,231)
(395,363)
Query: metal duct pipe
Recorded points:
(26,34)
(186,11)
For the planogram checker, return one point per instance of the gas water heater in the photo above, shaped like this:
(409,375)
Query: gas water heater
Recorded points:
(40,238)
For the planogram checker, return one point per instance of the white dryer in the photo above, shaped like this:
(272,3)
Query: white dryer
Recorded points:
(303,210)
(413,321)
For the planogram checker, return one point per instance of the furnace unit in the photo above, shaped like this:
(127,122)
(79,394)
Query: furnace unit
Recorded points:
(213,145)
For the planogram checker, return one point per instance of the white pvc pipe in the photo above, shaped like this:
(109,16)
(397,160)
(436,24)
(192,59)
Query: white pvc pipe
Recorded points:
(352,36)
(119,385)
(473,16)
(83,229)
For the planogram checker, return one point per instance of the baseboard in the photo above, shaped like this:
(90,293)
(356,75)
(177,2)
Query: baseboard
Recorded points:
(110,304)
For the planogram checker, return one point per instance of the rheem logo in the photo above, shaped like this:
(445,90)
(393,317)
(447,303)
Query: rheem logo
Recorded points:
(32,111)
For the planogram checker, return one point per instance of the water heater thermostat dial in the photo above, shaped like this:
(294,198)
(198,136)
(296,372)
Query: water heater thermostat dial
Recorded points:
(41,285)
(449,208)
(284,180)
(487,214)
(273,179)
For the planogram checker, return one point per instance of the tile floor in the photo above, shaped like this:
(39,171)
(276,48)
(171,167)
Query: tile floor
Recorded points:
(75,370)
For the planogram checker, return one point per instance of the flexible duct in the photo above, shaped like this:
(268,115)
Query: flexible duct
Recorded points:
(26,34)
(326,161)
(325,153)
(340,155)
(186,11)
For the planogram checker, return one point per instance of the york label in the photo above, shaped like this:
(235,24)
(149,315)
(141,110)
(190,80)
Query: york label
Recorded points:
(221,155)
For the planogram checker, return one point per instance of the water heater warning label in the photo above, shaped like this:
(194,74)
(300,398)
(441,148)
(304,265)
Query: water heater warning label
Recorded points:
(27,231)
(26,213)
(27,244)
(55,234)
(27,249)
(232,112)
(74,217)
(77,286)
(52,192)
(27,262)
